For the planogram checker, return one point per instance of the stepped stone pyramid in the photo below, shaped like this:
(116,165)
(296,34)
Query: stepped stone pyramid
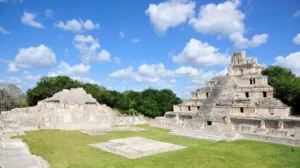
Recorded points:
(240,104)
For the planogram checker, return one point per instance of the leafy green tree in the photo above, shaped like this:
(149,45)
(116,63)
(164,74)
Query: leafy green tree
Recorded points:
(286,84)
(48,86)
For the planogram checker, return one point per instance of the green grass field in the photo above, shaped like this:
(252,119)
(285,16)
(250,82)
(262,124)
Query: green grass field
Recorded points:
(69,149)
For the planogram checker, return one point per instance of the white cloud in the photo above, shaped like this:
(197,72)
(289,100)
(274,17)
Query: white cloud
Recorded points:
(4,31)
(241,42)
(49,13)
(297,14)
(14,1)
(122,35)
(65,69)
(86,80)
(173,81)
(200,54)
(135,40)
(14,80)
(292,61)
(12,67)
(170,14)
(66,51)
(87,46)
(117,60)
(225,20)
(77,25)
(75,72)
(296,39)
(28,19)
(33,57)
(29,77)
(152,73)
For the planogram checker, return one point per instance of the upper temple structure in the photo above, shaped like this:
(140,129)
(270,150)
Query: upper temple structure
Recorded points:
(239,105)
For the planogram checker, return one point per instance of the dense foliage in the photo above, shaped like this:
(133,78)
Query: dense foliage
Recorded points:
(286,84)
(47,86)
(11,97)
(149,102)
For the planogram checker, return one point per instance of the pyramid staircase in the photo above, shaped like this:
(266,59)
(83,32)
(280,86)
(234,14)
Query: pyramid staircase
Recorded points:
(210,103)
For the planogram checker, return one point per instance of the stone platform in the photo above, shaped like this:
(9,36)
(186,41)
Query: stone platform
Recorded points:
(136,147)
(15,154)
(105,130)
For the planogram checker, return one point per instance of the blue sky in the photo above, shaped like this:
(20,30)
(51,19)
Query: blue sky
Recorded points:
(176,44)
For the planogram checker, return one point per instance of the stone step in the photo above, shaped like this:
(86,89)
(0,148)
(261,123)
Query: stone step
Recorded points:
(24,162)
(206,134)
(197,136)
(213,134)
(209,134)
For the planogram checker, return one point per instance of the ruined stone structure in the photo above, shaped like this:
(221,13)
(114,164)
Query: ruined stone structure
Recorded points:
(68,110)
(238,105)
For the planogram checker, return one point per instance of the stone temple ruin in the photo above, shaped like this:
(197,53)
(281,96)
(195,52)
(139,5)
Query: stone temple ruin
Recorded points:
(67,110)
(237,106)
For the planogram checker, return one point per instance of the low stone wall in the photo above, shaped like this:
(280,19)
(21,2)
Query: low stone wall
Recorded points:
(273,139)
(130,120)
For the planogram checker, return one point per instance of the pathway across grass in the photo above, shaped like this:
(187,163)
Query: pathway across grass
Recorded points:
(70,149)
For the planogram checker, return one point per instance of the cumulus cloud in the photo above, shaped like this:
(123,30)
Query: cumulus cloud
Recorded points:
(33,57)
(117,60)
(241,42)
(29,19)
(4,31)
(75,72)
(200,55)
(296,39)
(169,14)
(49,13)
(77,25)
(65,69)
(88,46)
(135,40)
(152,73)
(122,35)
(27,76)
(225,20)
(297,14)
(292,61)
(14,1)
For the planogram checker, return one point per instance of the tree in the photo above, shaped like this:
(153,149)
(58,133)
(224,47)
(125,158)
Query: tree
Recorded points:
(286,84)
(9,96)
(48,86)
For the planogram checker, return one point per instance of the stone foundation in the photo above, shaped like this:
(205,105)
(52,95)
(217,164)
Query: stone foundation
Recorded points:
(136,147)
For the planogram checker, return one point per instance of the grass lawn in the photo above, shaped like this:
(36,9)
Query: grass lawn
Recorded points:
(69,149)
